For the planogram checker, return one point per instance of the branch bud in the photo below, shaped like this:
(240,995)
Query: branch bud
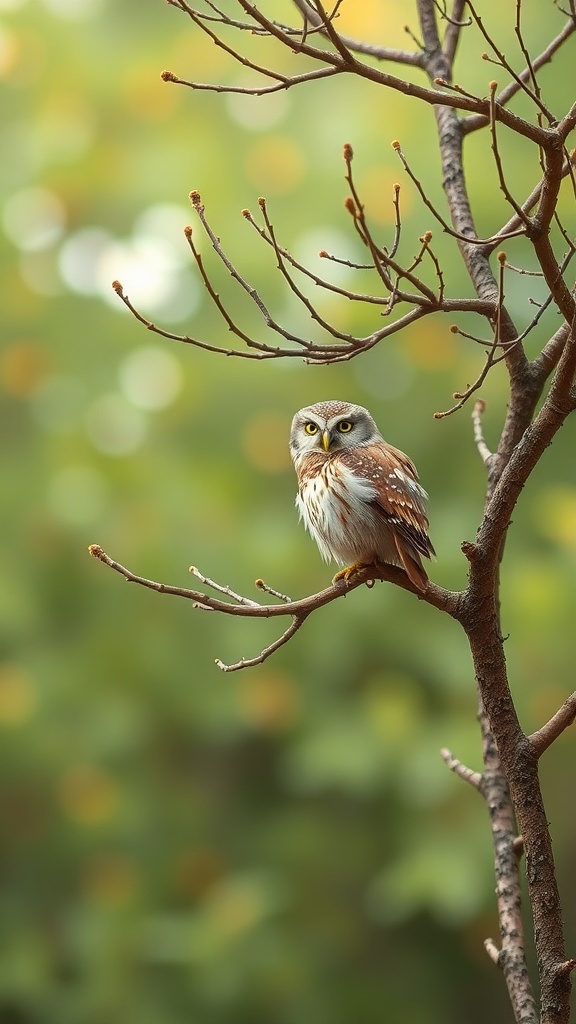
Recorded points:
(261,202)
(493,85)
(117,287)
(454,329)
(323,254)
(501,257)
(246,213)
(348,152)
(195,198)
(168,76)
(350,206)
(426,237)
(188,232)
(396,145)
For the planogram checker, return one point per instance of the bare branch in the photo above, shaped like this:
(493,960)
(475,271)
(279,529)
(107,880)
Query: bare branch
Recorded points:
(454,28)
(520,80)
(469,239)
(467,774)
(297,622)
(523,218)
(491,358)
(357,46)
(473,122)
(221,588)
(483,449)
(511,958)
(298,43)
(263,90)
(563,719)
(298,610)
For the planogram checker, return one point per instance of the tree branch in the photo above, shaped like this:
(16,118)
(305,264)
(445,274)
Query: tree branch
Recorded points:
(563,719)
(299,610)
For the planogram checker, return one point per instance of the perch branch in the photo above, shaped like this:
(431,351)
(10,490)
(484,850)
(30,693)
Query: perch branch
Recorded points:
(299,610)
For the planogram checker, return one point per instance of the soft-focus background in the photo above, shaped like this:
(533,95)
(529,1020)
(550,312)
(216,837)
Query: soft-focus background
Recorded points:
(282,844)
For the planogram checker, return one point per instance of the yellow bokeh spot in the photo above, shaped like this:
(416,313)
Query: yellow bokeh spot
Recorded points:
(268,702)
(10,51)
(209,62)
(235,906)
(536,590)
(18,697)
(147,96)
(430,345)
(24,58)
(556,515)
(376,190)
(275,164)
(89,795)
(265,442)
(111,879)
(23,367)
(376,20)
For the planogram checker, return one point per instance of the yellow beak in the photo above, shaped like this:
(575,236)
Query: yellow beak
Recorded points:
(326,440)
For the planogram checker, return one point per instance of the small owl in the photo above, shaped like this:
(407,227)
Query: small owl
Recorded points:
(359,497)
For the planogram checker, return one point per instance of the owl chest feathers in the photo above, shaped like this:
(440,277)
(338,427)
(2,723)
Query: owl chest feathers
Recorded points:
(339,508)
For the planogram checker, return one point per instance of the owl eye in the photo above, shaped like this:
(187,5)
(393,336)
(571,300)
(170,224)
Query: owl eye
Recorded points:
(311,428)
(345,426)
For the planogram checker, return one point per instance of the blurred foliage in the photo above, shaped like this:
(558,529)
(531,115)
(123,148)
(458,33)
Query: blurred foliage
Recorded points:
(284,844)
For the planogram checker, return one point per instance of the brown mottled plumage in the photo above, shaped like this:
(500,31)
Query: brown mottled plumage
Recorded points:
(359,497)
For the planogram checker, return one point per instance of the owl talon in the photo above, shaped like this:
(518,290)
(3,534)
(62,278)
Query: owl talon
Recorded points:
(349,571)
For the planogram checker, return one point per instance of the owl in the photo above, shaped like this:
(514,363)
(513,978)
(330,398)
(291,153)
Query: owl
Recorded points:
(359,497)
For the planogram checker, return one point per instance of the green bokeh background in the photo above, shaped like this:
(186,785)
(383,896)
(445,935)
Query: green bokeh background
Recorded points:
(284,844)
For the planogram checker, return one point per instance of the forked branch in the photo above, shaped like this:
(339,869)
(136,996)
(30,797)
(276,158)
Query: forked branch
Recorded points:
(298,611)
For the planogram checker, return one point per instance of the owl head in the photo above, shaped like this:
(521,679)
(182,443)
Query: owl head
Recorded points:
(331,427)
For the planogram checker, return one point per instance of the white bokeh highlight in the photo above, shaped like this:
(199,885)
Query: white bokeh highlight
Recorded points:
(114,426)
(33,219)
(150,378)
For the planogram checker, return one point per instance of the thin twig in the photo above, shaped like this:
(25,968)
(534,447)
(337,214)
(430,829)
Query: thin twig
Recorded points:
(491,358)
(520,80)
(498,161)
(221,588)
(474,121)
(483,450)
(454,28)
(382,260)
(267,589)
(546,734)
(286,636)
(467,774)
(469,239)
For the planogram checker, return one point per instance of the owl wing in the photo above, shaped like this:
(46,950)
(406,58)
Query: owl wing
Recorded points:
(399,497)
